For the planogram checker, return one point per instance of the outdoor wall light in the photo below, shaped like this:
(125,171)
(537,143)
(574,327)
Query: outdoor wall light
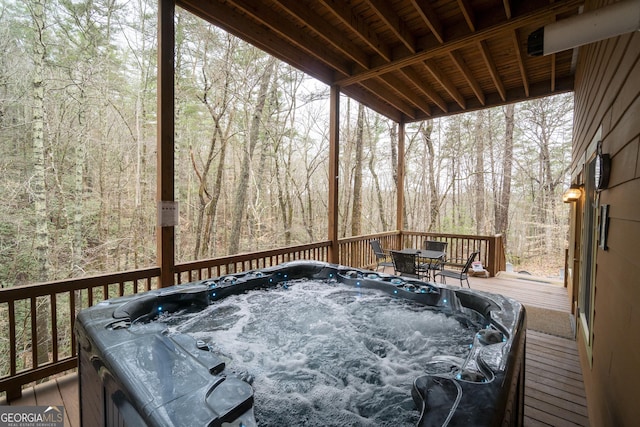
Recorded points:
(572,194)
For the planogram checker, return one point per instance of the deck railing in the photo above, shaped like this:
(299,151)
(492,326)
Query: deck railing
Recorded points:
(215,267)
(460,246)
(47,311)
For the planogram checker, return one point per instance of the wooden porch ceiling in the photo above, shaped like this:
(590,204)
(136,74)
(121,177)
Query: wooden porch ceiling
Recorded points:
(409,60)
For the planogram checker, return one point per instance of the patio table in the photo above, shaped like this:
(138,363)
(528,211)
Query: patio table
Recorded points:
(425,254)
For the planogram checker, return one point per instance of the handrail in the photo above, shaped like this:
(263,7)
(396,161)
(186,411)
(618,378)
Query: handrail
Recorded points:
(214,267)
(58,302)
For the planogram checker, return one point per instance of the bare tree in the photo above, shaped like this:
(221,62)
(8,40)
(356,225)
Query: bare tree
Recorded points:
(356,212)
(504,196)
(239,208)
(38,187)
(377,189)
(216,98)
(479,191)
(544,161)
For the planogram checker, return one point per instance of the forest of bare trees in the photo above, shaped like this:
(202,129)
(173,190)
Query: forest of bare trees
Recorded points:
(78,141)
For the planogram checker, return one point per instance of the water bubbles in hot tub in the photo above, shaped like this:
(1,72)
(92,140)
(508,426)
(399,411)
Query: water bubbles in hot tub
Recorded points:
(329,354)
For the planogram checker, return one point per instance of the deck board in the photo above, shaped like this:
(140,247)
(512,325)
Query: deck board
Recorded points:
(60,391)
(554,389)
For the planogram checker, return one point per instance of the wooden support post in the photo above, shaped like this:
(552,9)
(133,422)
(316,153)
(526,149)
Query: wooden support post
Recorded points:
(165,236)
(400,183)
(334,145)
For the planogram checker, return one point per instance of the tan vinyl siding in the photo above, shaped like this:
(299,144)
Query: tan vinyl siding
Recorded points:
(607,95)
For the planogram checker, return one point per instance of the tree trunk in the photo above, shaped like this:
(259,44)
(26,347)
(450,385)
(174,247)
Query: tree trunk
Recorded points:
(393,138)
(245,169)
(80,154)
(479,193)
(378,191)
(211,207)
(209,198)
(502,209)
(356,213)
(38,182)
(284,199)
(434,196)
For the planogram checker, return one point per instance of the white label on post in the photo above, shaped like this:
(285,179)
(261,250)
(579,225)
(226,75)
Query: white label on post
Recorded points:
(167,214)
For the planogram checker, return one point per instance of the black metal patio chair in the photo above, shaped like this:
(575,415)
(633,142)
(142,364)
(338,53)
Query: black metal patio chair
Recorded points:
(405,264)
(434,265)
(383,258)
(457,274)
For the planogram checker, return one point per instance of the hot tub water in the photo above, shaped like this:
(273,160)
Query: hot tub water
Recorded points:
(326,353)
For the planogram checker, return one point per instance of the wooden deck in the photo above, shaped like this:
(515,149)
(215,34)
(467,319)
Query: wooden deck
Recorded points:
(58,391)
(554,391)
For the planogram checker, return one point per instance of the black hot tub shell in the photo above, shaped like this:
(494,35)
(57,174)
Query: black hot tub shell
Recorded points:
(190,386)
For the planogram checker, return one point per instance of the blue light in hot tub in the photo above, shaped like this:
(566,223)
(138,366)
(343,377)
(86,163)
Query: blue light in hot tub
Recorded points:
(395,291)
(358,283)
(330,275)
(213,294)
(159,308)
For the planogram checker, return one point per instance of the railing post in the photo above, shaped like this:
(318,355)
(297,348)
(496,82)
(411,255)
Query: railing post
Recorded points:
(13,393)
(496,255)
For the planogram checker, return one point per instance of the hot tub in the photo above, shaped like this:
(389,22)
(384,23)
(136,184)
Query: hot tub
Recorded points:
(303,343)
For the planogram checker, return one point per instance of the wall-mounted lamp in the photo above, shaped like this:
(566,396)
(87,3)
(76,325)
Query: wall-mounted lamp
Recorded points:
(572,194)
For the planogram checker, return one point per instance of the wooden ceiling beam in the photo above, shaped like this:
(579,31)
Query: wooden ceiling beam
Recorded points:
(344,13)
(491,67)
(537,90)
(389,16)
(553,69)
(537,16)
(444,81)
(386,91)
(424,87)
(373,102)
(553,72)
(467,12)
(287,31)
(429,17)
(519,59)
(403,90)
(328,33)
(457,59)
